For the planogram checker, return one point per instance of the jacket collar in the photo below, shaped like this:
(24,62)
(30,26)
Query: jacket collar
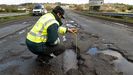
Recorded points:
(57,18)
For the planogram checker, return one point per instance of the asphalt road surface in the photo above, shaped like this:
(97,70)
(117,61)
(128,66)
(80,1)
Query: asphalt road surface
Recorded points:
(116,33)
(16,59)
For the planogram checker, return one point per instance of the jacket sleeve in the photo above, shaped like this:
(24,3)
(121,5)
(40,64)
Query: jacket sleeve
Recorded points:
(62,30)
(52,35)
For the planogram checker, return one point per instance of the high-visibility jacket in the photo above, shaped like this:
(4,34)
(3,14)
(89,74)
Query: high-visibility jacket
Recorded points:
(38,33)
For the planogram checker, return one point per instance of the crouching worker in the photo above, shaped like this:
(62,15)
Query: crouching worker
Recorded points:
(43,38)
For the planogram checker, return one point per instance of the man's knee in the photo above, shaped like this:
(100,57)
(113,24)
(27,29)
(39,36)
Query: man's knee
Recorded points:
(59,49)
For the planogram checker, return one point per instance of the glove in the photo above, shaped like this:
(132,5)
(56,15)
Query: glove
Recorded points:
(57,41)
(72,30)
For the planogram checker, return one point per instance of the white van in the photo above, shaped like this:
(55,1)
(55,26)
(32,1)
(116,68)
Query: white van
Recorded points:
(39,10)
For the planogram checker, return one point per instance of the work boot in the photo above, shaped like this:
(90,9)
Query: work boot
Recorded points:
(43,59)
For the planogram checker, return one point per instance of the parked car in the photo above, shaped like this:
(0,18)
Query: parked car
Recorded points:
(39,10)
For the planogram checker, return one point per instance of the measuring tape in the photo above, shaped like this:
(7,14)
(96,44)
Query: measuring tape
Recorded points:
(76,41)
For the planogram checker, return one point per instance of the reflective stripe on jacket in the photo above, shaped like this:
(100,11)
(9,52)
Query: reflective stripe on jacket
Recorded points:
(38,33)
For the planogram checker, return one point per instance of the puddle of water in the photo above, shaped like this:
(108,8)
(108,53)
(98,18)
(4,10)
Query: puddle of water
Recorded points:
(22,41)
(24,22)
(69,25)
(71,21)
(69,60)
(72,24)
(121,63)
(123,25)
(21,32)
(92,51)
(75,24)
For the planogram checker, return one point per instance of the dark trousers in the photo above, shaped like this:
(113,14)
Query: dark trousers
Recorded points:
(41,49)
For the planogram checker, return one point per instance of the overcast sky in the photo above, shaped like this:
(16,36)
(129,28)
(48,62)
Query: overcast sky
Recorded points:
(63,1)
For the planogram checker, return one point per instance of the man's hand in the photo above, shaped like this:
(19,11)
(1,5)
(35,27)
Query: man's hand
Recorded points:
(72,30)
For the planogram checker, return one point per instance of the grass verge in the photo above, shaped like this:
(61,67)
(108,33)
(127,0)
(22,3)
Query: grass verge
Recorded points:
(110,18)
(13,18)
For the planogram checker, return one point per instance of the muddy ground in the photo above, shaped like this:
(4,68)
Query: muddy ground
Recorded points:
(16,59)
(92,63)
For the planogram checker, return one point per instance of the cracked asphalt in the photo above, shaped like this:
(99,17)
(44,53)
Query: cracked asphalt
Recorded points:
(16,59)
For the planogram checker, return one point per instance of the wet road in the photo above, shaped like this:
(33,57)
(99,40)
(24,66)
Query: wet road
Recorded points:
(116,33)
(122,64)
(16,59)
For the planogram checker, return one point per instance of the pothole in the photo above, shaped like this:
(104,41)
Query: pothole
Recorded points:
(21,41)
(92,51)
(71,24)
(69,60)
(121,63)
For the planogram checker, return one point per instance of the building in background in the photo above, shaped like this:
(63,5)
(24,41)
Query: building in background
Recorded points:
(95,4)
